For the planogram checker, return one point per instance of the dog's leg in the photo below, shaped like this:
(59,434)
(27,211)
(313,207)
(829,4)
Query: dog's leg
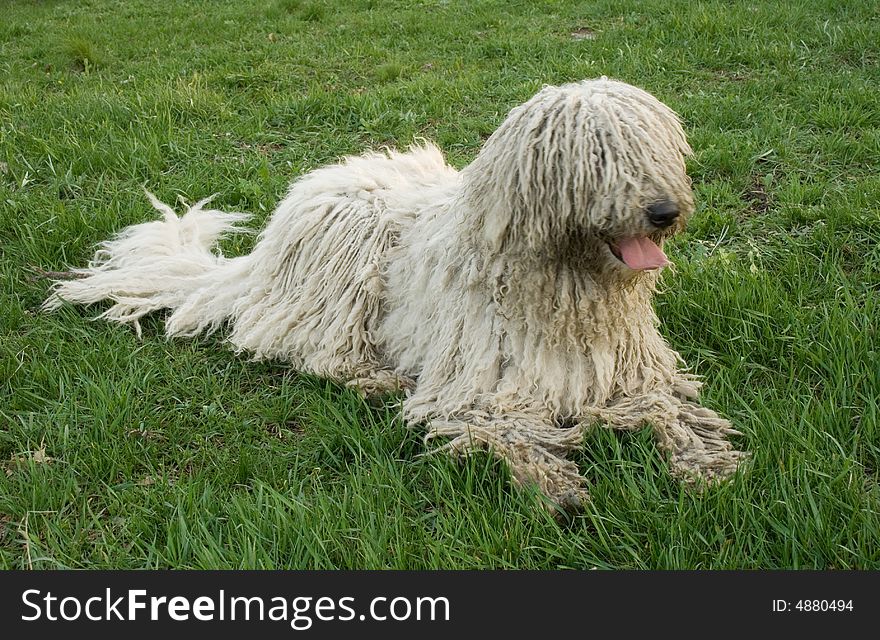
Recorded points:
(533,447)
(693,437)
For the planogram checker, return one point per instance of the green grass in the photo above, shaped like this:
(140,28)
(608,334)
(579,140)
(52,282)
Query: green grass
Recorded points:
(116,452)
(83,54)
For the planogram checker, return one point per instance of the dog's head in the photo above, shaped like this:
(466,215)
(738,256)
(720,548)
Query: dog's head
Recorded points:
(593,171)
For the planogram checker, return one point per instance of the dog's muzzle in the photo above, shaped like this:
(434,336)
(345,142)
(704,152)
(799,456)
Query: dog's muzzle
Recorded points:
(662,213)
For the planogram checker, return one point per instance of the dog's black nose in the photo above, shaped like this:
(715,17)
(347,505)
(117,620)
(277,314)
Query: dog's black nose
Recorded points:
(662,213)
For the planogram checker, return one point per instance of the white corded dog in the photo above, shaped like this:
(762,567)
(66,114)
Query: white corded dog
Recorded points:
(511,300)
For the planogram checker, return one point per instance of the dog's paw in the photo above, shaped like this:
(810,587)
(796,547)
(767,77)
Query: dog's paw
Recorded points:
(702,469)
(561,484)
(698,447)
(571,500)
(381,382)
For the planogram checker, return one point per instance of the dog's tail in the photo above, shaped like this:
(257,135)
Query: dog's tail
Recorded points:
(170,263)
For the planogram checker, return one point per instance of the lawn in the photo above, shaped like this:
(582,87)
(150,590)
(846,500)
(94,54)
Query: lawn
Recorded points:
(119,452)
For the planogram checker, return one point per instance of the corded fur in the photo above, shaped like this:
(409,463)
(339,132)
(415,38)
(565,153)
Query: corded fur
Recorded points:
(492,295)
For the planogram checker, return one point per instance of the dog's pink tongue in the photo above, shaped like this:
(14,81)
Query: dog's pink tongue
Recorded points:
(641,253)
